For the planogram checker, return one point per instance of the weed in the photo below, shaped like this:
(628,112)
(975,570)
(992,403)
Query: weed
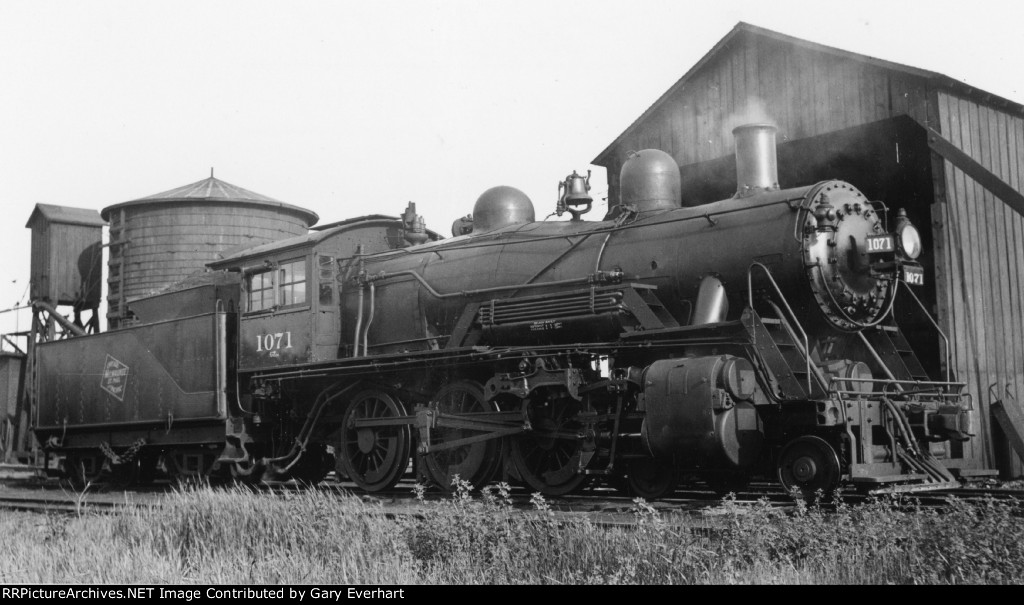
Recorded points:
(461,491)
(208,535)
(539,503)
(644,512)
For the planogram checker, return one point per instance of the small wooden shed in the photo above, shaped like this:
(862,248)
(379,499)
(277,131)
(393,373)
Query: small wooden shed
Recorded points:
(67,255)
(952,155)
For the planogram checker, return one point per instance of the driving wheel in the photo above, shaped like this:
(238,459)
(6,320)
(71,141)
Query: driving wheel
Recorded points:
(373,457)
(548,457)
(474,462)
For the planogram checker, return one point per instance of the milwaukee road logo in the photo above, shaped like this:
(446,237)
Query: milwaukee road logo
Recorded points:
(115,377)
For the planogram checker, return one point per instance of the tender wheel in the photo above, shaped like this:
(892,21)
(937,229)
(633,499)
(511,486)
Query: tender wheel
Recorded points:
(373,457)
(650,479)
(809,464)
(475,462)
(548,457)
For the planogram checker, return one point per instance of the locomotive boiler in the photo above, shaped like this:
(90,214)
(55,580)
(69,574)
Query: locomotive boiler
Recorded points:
(752,336)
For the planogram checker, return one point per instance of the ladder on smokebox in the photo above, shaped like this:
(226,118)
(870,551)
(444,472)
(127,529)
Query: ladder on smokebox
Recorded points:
(795,376)
(888,342)
(894,350)
(781,342)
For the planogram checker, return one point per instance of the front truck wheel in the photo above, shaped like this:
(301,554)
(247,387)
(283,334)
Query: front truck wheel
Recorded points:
(809,465)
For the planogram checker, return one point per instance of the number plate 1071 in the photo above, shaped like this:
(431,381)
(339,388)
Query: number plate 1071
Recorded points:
(880,243)
(914,276)
(273,343)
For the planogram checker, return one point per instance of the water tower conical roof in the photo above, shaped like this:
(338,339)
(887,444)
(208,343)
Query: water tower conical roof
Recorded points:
(213,190)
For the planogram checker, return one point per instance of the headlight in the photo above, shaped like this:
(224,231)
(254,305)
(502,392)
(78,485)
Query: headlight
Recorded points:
(910,241)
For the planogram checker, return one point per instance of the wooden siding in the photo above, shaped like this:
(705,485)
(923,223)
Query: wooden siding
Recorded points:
(803,92)
(981,300)
(66,262)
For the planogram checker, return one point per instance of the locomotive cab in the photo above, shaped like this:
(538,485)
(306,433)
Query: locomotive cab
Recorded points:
(291,290)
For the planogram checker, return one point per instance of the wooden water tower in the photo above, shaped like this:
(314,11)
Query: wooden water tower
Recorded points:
(161,239)
(67,256)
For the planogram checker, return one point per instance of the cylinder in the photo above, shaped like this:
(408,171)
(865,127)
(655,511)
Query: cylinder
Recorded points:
(649,180)
(756,165)
(695,414)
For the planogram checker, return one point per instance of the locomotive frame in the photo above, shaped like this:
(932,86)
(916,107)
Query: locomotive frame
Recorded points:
(549,353)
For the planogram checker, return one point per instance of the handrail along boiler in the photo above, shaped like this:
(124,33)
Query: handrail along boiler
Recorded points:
(748,336)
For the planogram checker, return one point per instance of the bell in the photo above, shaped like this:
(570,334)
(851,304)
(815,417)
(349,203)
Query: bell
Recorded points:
(573,193)
(577,189)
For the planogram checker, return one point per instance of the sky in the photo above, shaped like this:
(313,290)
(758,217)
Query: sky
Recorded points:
(356,107)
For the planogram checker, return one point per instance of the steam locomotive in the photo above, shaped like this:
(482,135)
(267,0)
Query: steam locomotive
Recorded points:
(752,336)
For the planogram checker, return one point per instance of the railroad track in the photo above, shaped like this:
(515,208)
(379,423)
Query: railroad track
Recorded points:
(599,502)
(49,503)
(968,493)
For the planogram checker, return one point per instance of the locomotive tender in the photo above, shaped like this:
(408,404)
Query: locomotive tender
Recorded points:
(746,337)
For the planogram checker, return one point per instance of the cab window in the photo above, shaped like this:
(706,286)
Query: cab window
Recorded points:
(261,291)
(292,284)
(282,286)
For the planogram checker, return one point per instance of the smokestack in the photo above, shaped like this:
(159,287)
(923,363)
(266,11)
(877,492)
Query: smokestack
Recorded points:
(756,166)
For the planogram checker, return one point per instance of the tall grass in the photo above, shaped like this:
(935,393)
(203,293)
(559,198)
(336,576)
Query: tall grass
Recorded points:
(204,535)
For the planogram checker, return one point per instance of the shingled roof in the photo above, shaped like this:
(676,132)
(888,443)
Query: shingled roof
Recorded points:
(210,189)
(66,215)
(213,190)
